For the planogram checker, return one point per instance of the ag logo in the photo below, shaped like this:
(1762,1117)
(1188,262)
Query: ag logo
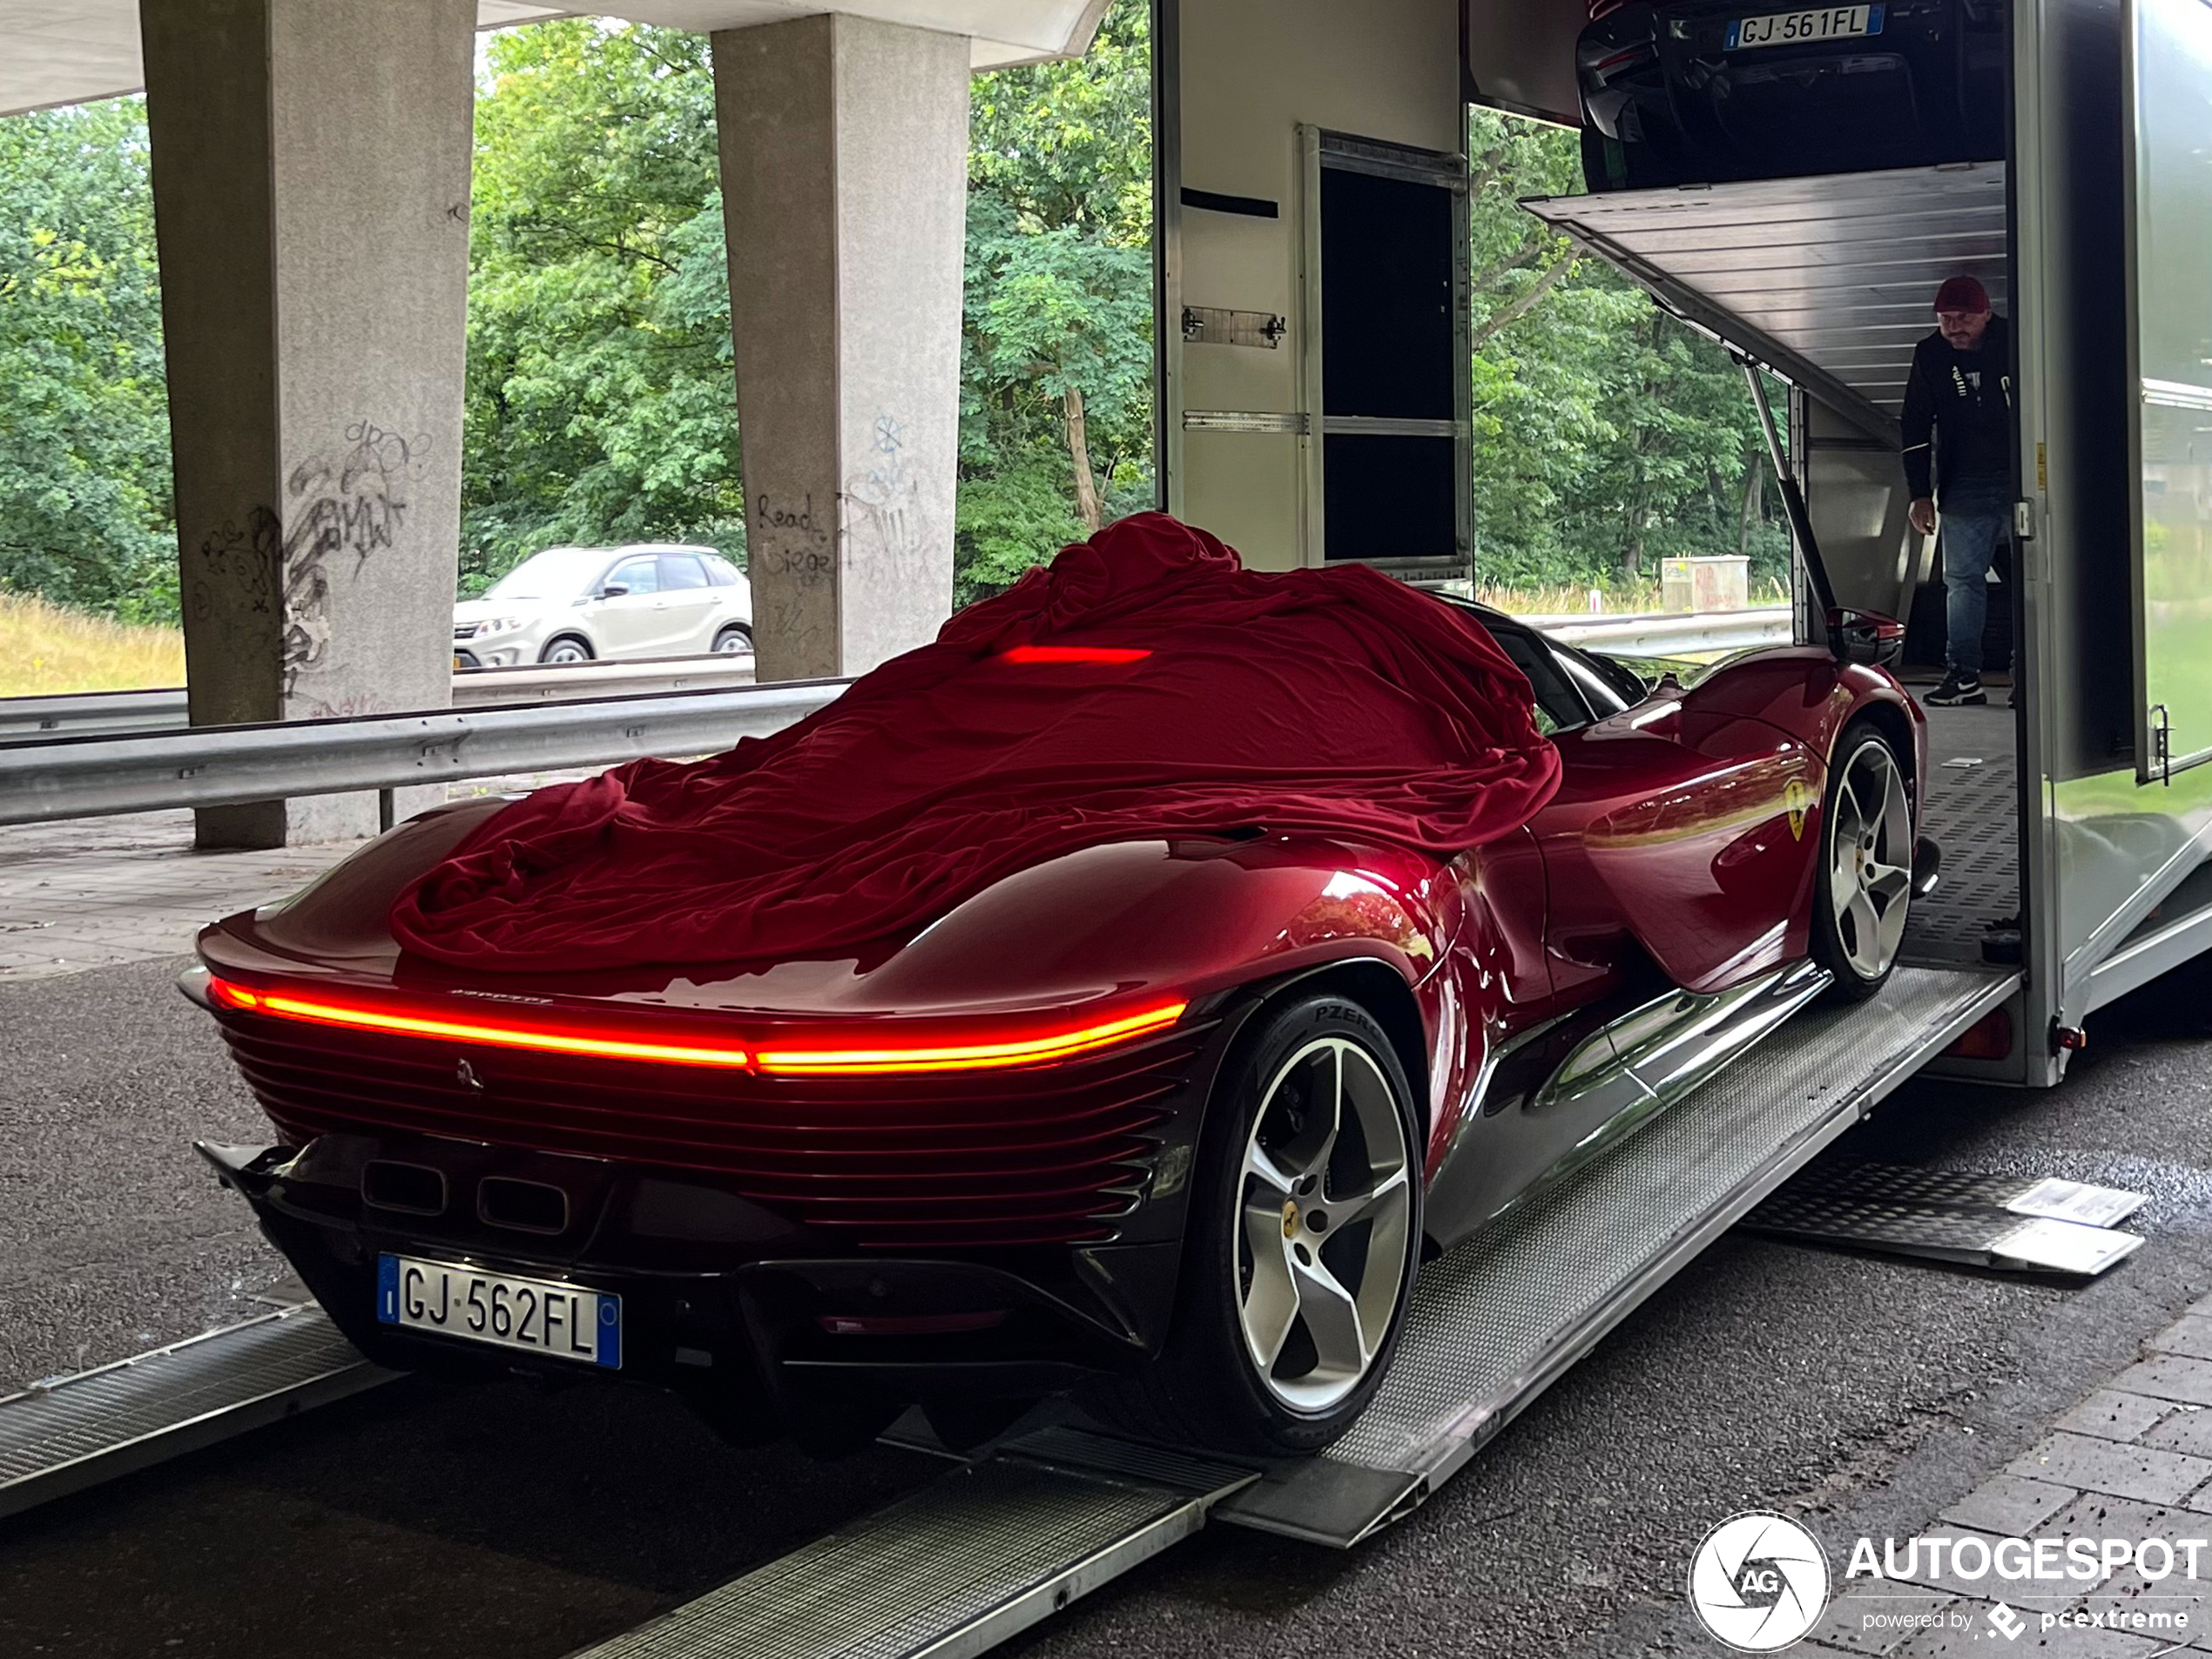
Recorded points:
(1797,801)
(1759,1582)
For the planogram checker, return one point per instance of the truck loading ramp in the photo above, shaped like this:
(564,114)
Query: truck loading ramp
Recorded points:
(1827,280)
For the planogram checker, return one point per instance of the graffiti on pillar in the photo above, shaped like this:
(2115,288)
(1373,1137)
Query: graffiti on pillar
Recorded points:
(236,566)
(883,506)
(351,501)
(790,544)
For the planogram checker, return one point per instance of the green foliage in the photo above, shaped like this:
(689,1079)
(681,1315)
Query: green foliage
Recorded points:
(602,406)
(1016,515)
(1607,436)
(1059,303)
(84,491)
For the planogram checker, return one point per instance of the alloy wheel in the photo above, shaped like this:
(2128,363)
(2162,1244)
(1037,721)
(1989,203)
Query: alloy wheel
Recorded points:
(1321,1226)
(1870,859)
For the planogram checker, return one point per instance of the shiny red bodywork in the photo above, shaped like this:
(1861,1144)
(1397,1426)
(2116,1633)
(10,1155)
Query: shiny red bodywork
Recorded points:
(1682,839)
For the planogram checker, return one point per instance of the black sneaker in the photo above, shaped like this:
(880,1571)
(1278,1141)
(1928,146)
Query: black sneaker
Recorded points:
(1957,690)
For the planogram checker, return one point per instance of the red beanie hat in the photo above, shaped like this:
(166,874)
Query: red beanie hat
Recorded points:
(1962,294)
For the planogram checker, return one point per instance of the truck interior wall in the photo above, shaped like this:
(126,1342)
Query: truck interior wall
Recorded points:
(1239,79)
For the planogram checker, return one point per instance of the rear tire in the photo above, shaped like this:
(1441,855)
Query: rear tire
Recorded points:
(1301,1246)
(1863,890)
(732,639)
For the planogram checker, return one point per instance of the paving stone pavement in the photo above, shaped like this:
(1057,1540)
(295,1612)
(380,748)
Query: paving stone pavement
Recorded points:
(94,892)
(91,893)
(2132,1461)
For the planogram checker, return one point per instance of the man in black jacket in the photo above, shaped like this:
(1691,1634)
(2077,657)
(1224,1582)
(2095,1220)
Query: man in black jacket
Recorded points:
(1959,415)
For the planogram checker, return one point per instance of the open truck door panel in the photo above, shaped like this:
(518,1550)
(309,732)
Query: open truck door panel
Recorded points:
(2168,86)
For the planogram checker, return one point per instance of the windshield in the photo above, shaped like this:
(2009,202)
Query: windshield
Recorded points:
(558,573)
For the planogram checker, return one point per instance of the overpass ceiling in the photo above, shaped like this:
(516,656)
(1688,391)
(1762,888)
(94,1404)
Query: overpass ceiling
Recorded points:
(70,51)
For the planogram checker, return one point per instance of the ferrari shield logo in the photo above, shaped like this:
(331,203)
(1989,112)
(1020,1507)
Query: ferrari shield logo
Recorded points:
(1797,801)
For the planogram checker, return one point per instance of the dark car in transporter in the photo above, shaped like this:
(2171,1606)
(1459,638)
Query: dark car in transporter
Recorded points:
(1698,91)
(1186,1162)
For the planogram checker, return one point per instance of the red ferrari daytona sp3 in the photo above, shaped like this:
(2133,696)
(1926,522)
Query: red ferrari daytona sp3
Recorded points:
(1167,1110)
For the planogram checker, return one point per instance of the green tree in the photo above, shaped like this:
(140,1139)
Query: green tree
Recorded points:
(602,403)
(1057,347)
(85,512)
(1607,435)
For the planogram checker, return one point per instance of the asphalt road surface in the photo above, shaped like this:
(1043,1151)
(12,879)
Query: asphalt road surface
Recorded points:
(506,1519)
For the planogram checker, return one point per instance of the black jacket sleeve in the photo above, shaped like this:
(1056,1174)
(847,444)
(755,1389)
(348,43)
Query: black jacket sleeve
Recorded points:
(1917,425)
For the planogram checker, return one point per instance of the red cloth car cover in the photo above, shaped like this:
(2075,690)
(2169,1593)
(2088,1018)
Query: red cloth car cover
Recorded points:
(1330,701)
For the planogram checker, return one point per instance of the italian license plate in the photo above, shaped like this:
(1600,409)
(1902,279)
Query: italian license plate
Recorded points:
(531,1315)
(1794,28)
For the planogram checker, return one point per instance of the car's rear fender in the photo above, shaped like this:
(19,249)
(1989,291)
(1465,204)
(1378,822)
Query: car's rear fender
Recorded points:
(1807,694)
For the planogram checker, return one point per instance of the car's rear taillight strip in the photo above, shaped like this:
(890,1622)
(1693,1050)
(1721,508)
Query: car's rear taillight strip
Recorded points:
(544,1040)
(984,1052)
(1030,1050)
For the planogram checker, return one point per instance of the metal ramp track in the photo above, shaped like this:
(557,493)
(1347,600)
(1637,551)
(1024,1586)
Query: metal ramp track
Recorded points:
(1496,1321)
(973,1558)
(64,1436)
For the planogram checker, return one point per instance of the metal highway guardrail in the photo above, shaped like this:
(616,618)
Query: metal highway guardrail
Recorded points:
(45,779)
(1667,636)
(93,713)
(65,778)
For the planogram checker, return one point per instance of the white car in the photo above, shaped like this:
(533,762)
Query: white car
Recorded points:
(575,605)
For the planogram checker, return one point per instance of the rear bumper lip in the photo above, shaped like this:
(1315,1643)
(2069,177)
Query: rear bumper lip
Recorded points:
(767,1317)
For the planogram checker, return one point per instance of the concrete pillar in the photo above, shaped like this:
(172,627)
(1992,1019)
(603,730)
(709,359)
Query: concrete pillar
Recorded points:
(310,201)
(844,147)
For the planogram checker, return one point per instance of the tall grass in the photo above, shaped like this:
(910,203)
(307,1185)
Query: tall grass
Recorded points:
(1562,600)
(46,649)
(1621,600)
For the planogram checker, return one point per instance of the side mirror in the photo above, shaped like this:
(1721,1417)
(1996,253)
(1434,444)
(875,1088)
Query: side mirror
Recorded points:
(613,591)
(1869,638)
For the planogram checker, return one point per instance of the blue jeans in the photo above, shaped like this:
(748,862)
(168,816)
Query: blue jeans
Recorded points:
(1971,534)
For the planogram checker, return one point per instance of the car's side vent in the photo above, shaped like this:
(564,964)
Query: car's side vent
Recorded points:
(413,1189)
(522,1206)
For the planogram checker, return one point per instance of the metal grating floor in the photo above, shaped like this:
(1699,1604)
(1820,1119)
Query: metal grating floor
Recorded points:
(1973,812)
(1496,1320)
(69,1434)
(985,1551)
